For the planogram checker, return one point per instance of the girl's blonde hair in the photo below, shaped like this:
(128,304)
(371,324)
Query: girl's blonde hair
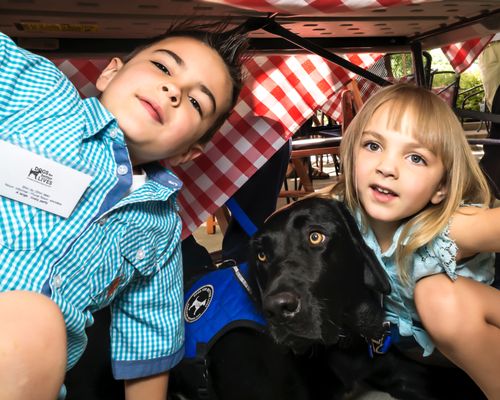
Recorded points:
(422,114)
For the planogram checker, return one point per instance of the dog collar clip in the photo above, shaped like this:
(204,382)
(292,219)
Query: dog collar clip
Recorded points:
(380,346)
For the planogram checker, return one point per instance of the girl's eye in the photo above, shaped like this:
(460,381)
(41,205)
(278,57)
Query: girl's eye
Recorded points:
(372,146)
(196,105)
(261,256)
(161,67)
(316,238)
(416,159)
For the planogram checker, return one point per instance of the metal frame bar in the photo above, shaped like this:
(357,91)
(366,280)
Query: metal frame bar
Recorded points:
(271,26)
(418,64)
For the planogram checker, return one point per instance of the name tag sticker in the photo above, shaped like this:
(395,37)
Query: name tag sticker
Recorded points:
(40,182)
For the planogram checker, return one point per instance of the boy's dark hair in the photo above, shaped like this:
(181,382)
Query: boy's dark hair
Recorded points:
(231,46)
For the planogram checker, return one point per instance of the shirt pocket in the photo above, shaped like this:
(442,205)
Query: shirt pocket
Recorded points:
(139,251)
(24,227)
(131,259)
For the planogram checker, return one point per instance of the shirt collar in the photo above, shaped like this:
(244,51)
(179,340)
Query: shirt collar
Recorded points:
(96,115)
(371,239)
(162,175)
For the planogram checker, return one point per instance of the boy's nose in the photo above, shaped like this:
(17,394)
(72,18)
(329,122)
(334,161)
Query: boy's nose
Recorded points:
(172,92)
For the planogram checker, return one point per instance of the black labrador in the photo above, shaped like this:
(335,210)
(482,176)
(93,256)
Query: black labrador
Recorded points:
(321,288)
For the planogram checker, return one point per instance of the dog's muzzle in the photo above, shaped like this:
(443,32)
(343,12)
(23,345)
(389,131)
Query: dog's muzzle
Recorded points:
(281,306)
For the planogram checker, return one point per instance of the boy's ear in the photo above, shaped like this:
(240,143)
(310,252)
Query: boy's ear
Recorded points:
(193,152)
(108,73)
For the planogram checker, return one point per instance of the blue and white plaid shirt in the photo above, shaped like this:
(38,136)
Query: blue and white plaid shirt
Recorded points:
(115,248)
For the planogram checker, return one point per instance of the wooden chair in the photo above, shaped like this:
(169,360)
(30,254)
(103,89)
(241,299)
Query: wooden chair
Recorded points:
(304,148)
(220,217)
(351,103)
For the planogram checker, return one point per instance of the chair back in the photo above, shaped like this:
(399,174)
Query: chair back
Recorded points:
(351,103)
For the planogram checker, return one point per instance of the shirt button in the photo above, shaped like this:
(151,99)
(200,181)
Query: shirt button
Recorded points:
(140,254)
(113,133)
(102,221)
(122,169)
(57,282)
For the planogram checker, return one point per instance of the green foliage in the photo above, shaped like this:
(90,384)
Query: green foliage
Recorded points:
(401,65)
(470,82)
(470,91)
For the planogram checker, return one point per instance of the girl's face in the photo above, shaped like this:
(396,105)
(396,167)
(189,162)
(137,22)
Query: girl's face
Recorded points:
(395,175)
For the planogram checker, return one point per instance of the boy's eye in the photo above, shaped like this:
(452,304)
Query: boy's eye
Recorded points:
(196,105)
(416,159)
(161,67)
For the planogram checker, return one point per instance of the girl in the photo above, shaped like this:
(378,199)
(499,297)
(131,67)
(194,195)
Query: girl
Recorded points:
(421,201)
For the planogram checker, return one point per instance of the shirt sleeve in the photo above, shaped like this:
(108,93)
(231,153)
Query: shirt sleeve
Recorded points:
(440,256)
(25,78)
(147,329)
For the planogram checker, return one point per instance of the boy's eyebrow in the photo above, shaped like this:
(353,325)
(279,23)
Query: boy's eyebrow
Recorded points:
(180,62)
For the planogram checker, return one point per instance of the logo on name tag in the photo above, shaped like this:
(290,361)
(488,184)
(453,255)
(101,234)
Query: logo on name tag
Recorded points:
(40,175)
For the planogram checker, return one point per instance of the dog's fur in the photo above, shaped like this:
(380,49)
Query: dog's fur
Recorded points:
(320,301)
(320,285)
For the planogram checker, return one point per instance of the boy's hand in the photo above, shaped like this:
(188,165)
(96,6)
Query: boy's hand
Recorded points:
(151,388)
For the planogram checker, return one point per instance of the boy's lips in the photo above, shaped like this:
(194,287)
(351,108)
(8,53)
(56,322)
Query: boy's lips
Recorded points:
(153,109)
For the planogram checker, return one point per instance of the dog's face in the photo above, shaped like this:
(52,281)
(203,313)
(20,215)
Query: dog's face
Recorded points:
(317,279)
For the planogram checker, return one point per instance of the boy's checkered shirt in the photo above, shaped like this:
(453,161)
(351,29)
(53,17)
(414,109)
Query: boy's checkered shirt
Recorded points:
(116,248)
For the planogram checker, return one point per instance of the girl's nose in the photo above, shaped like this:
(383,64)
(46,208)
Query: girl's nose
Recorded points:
(387,167)
(172,92)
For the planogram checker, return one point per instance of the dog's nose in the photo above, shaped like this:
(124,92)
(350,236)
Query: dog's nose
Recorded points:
(281,305)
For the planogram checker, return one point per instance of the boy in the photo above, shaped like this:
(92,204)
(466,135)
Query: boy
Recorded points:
(73,231)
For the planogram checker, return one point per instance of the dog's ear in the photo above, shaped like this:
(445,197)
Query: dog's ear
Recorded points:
(375,276)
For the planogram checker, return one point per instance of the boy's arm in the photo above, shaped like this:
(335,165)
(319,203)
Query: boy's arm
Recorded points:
(151,388)
(476,230)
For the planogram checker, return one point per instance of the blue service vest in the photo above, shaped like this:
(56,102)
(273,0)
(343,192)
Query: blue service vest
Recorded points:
(216,303)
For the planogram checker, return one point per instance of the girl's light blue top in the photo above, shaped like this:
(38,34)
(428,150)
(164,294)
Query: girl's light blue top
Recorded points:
(438,256)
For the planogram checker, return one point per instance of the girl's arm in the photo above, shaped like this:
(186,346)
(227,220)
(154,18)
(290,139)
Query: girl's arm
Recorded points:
(476,230)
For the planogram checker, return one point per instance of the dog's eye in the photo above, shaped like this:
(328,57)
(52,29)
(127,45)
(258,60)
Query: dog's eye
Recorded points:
(316,238)
(261,256)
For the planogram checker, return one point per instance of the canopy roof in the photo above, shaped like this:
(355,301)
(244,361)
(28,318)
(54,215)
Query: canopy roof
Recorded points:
(366,25)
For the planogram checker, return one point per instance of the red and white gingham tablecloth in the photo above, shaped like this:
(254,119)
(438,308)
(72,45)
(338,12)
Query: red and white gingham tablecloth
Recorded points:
(280,94)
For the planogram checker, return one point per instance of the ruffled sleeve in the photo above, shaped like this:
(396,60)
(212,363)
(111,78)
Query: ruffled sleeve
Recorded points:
(438,256)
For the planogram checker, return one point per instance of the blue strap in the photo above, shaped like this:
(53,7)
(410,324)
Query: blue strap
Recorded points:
(240,216)
(381,346)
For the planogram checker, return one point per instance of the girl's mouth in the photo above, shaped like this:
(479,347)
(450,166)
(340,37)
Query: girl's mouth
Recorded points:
(382,194)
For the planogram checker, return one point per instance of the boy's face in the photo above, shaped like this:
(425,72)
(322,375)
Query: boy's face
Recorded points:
(166,97)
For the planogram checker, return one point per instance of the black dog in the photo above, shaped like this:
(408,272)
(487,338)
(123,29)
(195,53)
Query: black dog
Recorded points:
(320,285)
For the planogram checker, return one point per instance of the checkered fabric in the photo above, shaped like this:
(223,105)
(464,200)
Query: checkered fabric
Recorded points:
(368,61)
(83,73)
(462,55)
(313,6)
(280,94)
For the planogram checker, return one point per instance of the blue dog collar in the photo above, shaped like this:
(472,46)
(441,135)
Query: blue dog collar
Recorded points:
(381,345)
